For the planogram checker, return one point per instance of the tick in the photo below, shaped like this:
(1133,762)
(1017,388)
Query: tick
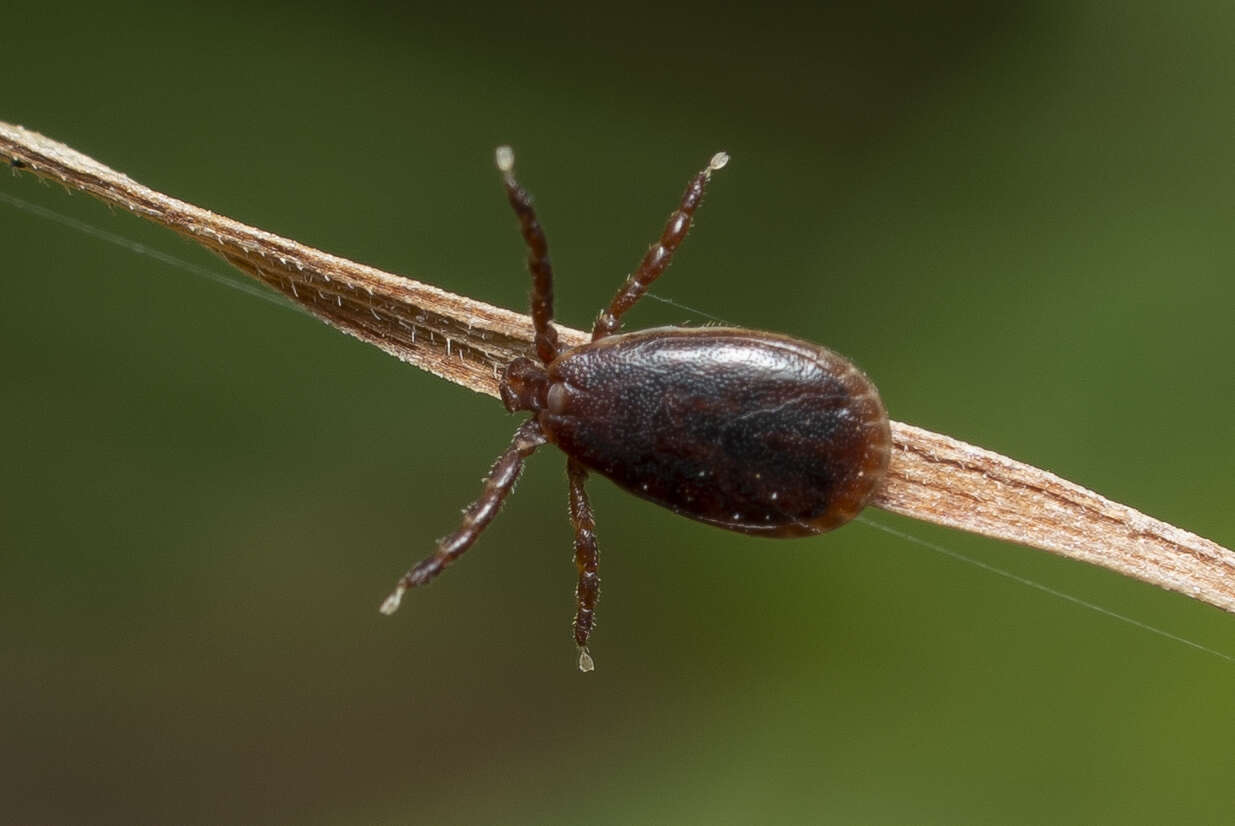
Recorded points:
(750,431)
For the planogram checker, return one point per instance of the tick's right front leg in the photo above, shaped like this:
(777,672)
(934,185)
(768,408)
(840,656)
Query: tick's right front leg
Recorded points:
(537,257)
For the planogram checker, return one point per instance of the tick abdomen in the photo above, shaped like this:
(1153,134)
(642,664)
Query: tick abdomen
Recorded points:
(755,432)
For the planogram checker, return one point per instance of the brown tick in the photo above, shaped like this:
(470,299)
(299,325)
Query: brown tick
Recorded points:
(754,432)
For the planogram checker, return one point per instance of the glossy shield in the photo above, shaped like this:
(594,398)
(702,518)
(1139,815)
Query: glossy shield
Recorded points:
(750,431)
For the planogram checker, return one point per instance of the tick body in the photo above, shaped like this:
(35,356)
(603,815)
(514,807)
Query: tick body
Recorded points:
(754,432)
(750,431)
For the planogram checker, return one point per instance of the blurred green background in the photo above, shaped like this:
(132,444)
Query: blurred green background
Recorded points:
(1017,220)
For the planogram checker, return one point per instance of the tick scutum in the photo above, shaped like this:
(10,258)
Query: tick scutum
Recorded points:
(750,431)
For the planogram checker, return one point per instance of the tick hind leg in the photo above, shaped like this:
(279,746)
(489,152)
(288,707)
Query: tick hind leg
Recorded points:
(537,257)
(586,558)
(657,258)
(477,516)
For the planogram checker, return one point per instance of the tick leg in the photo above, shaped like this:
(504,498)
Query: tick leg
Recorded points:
(537,257)
(586,557)
(660,254)
(477,516)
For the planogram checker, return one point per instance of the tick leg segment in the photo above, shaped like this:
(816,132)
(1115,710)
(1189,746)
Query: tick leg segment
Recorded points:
(660,254)
(537,257)
(586,558)
(477,516)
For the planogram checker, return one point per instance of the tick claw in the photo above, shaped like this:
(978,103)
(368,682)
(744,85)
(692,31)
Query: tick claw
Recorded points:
(505,157)
(391,603)
(586,663)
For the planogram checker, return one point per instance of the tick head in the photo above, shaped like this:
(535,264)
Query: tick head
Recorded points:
(524,385)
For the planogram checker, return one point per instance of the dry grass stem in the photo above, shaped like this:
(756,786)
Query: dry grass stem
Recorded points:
(932,477)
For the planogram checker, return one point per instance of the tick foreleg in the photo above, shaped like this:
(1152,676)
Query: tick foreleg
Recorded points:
(537,257)
(477,516)
(586,558)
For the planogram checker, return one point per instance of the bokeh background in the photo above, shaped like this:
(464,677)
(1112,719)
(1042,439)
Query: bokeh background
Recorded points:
(1017,217)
